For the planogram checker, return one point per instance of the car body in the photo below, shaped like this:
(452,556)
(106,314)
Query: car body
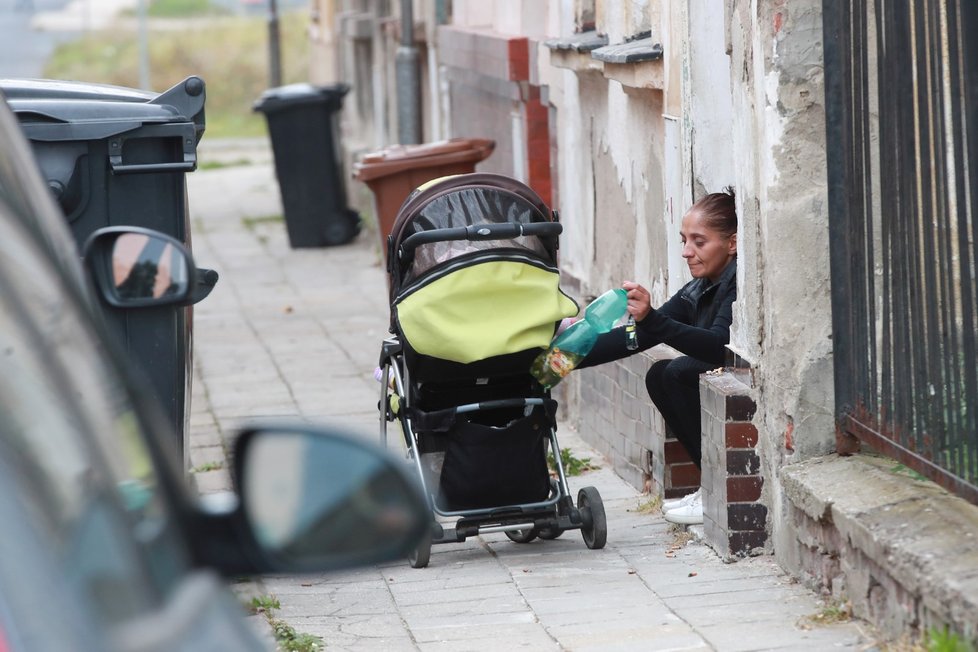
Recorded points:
(103,546)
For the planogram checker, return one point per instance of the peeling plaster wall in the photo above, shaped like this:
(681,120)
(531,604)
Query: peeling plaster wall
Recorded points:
(610,182)
(783,316)
(707,98)
(575,172)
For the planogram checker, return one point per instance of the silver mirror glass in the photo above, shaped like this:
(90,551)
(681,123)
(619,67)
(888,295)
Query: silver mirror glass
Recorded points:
(147,267)
(328,501)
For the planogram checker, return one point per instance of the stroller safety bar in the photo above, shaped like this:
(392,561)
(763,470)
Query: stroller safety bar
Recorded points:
(485,529)
(501,231)
(442,420)
(501,403)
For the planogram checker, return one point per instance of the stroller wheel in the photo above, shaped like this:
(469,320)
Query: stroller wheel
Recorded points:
(522,536)
(421,555)
(595,526)
(549,533)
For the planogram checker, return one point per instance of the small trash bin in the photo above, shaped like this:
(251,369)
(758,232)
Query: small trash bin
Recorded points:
(303,123)
(394,172)
(116,156)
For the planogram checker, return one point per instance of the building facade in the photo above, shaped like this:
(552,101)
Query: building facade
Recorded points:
(621,114)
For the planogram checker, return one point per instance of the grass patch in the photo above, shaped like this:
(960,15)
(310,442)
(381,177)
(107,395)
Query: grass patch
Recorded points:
(207,466)
(229,53)
(184,8)
(572,465)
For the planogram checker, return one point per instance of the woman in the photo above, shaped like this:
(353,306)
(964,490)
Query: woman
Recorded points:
(696,322)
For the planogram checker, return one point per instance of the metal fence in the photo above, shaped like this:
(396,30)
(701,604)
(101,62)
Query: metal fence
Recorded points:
(901,95)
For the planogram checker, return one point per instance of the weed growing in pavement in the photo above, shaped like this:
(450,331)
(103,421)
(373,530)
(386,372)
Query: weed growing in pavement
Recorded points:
(207,466)
(251,222)
(286,638)
(264,604)
(291,641)
(572,465)
(901,469)
(651,506)
(934,640)
(831,613)
(943,640)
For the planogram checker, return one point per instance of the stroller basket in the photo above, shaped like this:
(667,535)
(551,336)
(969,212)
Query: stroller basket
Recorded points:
(514,453)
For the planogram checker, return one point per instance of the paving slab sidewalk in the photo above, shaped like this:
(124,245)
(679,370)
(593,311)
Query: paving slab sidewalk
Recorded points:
(296,333)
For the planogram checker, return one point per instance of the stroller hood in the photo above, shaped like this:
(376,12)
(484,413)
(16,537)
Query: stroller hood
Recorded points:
(490,305)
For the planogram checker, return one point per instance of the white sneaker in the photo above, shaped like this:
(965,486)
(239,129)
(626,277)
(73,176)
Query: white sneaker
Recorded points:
(688,499)
(691,514)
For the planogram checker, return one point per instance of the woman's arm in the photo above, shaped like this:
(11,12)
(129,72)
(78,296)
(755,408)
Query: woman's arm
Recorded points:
(706,344)
(611,346)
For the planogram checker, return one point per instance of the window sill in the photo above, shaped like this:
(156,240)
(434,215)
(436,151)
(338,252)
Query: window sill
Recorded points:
(636,63)
(574,52)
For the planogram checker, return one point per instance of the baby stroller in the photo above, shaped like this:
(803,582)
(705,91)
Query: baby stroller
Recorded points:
(474,297)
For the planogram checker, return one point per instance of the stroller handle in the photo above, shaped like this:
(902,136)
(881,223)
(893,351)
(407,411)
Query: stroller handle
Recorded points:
(503,231)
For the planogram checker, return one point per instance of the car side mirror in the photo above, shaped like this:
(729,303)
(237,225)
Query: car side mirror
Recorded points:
(318,500)
(136,267)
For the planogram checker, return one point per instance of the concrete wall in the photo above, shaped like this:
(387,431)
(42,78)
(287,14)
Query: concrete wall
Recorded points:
(782,319)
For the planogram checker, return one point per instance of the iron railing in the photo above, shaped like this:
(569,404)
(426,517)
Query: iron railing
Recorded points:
(901,101)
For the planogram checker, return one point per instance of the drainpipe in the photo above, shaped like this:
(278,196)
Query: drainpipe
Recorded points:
(408,94)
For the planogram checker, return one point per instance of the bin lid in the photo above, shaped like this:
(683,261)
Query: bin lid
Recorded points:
(284,97)
(53,110)
(397,158)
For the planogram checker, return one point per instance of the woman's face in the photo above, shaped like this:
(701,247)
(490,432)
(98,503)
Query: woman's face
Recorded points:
(706,250)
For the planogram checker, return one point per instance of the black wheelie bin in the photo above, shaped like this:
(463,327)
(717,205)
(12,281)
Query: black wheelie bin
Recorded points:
(116,156)
(303,123)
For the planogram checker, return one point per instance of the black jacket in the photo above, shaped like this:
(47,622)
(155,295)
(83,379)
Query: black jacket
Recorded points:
(695,321)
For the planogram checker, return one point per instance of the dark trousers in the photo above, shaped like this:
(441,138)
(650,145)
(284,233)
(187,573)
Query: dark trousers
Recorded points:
(674,387)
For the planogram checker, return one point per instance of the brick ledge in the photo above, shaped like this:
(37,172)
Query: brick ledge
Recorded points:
(904,551)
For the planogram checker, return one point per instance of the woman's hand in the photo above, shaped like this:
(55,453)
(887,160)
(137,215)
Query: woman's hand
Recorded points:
(639,300)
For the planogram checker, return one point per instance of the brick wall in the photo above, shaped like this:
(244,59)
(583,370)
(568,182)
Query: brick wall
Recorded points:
(488,75)
(734,519)
(617,418)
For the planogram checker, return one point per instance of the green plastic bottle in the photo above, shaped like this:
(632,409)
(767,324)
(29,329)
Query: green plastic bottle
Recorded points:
(605,311)
(570,347)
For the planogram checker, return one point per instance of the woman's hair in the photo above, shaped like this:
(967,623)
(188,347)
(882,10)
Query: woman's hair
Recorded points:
(720,211)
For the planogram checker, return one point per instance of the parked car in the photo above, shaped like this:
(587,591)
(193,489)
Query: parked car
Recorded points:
(102,544)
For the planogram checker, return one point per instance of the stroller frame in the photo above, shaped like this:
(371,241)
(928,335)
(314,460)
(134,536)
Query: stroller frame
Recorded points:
(550,509)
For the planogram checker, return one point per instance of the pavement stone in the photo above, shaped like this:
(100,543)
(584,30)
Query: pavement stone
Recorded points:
(296,333)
